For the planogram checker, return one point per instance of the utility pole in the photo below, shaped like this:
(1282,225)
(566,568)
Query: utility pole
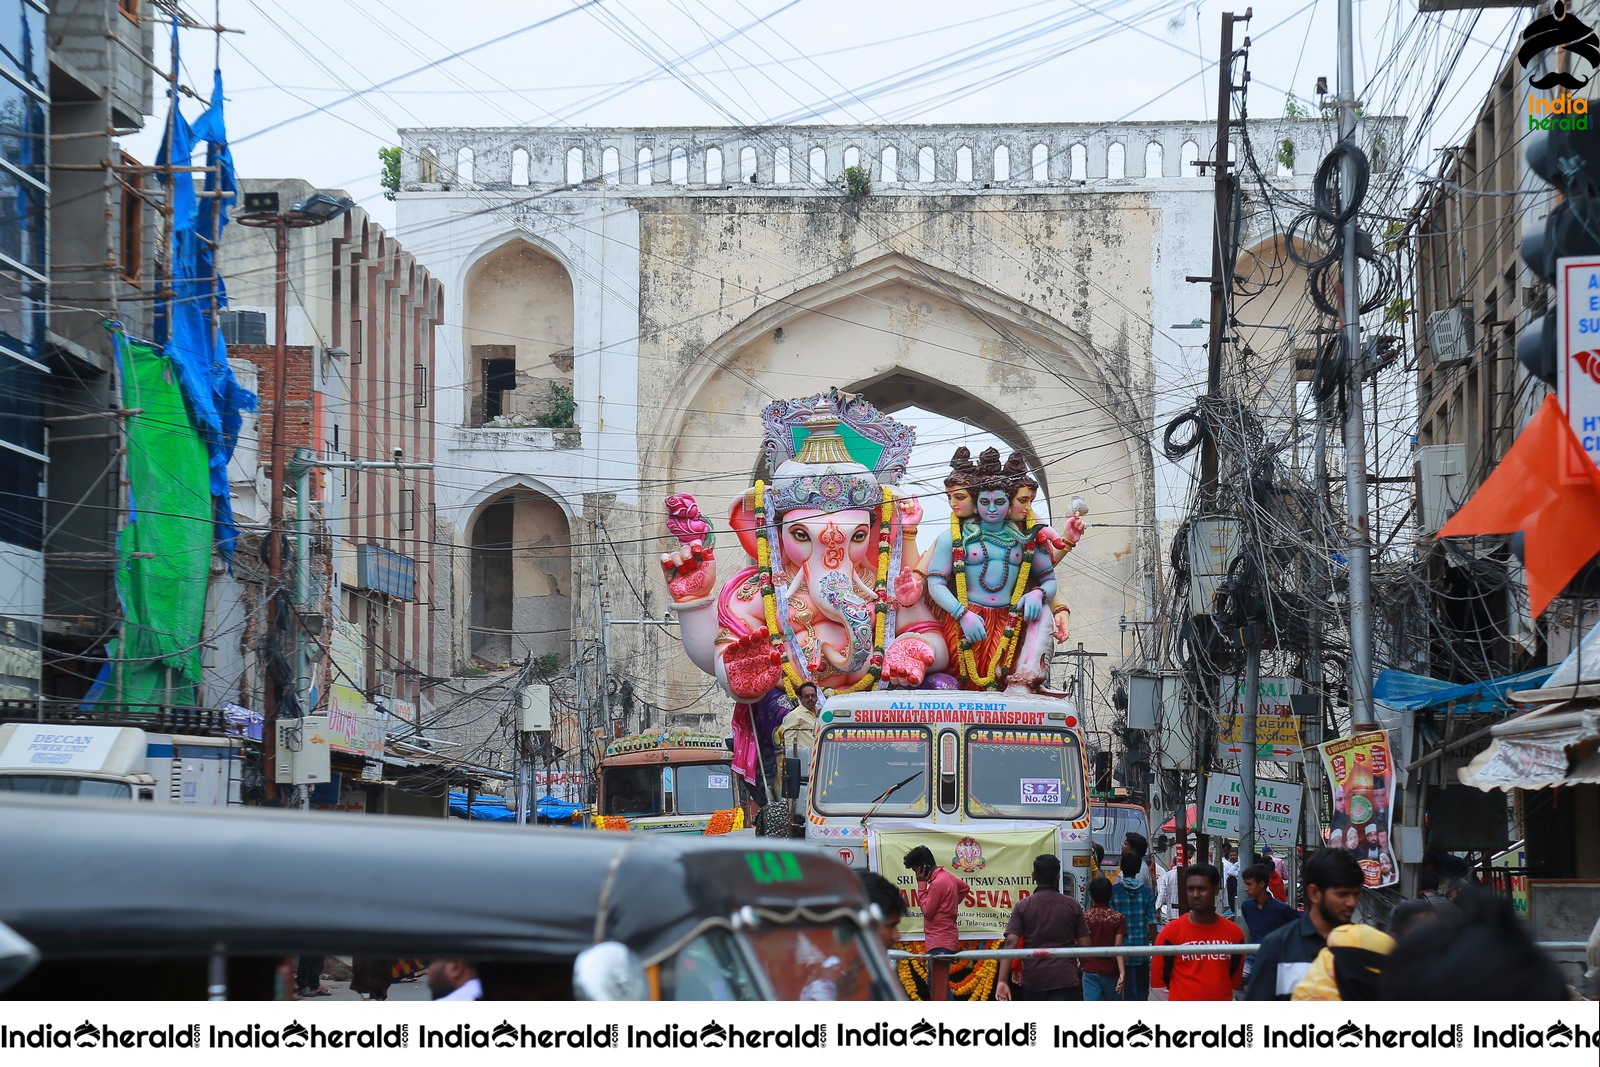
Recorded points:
(1249,704)
(1358,551)
(1221,282)
(1082,654)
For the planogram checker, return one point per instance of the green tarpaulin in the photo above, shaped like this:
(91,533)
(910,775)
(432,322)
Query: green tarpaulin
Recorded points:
(164,553)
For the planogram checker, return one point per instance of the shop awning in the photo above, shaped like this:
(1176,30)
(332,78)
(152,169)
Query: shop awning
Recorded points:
(1401,690)
(1171,825)
(1558,744)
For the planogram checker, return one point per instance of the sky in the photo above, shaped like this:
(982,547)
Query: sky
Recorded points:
(315,89)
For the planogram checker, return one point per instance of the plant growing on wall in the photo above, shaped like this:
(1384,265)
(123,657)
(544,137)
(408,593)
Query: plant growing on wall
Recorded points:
(857,184)
(390,178)
(562,411)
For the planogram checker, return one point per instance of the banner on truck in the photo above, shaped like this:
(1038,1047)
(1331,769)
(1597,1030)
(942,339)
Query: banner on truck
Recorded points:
(997,866)
(1361,775)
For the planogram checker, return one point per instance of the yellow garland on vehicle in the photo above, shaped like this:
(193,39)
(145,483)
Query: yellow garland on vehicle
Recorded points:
(725,822)
(1008,649)
(969,979)
(611,822)
(792,679)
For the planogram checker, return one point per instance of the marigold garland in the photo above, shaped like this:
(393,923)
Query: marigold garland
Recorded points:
(969,979)
(725,822)
(792,680)
(611,822)
(1007,651)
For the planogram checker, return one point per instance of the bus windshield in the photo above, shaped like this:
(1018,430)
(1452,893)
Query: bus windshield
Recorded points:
(1026,774)
(703,788)
(858,764)
(62,785)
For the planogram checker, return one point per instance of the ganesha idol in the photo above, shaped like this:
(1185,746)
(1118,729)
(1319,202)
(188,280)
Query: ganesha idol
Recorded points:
(833,592)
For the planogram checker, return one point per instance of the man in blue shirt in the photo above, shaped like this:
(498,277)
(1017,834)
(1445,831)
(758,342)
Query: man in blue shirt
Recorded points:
(1138,905)
(1260,911)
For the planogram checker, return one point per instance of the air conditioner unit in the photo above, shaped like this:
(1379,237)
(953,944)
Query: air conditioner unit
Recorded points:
(1450,336)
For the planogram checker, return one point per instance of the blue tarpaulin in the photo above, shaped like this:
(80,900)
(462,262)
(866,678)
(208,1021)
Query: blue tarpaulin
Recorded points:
(495,809)
(186,325)
(1401,690)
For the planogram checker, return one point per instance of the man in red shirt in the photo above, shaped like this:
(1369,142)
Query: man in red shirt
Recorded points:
(1201,976)
(939,893)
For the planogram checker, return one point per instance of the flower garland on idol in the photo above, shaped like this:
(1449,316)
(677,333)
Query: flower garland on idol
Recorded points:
(780,633)
(1008,646)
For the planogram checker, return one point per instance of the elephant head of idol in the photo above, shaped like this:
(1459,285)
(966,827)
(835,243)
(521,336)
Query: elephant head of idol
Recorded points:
(823,511)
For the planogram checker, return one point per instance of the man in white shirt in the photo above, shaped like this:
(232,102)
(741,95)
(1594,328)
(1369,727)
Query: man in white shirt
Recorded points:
(1230,876)
(1167,896)
(454,980)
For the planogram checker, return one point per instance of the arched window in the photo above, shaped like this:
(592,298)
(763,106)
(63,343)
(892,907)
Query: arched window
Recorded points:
(574,166)
(891,164)
(678,167)
(1116,161)
(464,165)
(925,164)
(780,165)
(647,160)
(519,166)
(1079,161)
(747,164)
(1041,163)
(819,167)
(852,157)
(611,166)
(714,166)
(1189,155)
(1002,164)
(428,166)
(1152,160)
(963,164)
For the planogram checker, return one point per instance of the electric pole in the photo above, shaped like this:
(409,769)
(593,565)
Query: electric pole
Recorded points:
(1358,552)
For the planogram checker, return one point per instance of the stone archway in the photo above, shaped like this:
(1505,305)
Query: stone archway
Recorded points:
(906,334)
(518,337)
(520,600)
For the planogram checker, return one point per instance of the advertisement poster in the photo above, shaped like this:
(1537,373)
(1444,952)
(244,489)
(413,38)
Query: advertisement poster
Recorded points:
(1277,810)
(1361,776)
(1277,726)
(997,866)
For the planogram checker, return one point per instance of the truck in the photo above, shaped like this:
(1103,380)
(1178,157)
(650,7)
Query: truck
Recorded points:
(119,763)
(988,781)
(668,782)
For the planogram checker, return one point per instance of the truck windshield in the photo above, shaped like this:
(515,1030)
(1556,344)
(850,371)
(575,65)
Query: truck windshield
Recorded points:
(703,788)
(857,764)
(1111,823)
(632,791)
(65,786)
(1026,774)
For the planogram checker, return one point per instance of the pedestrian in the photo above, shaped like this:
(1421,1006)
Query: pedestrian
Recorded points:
(940,893)
(882,894)
(1230,877)
(371,977)
(308,978)
(1166,896)
(1046,918)
(1333,882)
(1137,905)
(1261,911)
(1149,870)
(1275,884)
(454,980)
(1204,976)
(1279,885)
(799,727)
(1104,977)
(1479,950)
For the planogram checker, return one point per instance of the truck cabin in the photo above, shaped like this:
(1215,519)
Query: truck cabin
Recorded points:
(682,775)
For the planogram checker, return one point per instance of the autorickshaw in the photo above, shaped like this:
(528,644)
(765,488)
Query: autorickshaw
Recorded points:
(124,902)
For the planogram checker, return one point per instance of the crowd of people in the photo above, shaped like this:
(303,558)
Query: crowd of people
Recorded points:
(1456,941)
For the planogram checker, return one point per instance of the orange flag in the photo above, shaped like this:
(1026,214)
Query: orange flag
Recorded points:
(1549,488)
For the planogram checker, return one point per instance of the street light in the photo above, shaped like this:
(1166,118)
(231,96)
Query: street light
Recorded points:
(262,210)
